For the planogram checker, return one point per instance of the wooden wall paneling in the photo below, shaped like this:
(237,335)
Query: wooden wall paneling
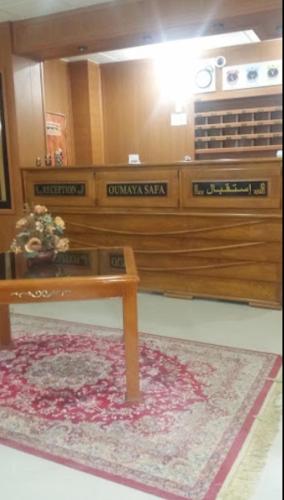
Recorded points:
(119,110)
(87,112)
(29,111)
(57,96)
(8,216)
(111,26)
(81,112)
(137,120)
(96,113)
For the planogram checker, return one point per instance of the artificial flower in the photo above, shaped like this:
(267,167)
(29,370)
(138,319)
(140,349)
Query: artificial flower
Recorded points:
(59,222)
(62,245)
(33,245)
(38,232)
(40,209)
(21,223)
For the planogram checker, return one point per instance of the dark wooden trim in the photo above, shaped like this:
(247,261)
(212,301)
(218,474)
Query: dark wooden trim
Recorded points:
(7,202)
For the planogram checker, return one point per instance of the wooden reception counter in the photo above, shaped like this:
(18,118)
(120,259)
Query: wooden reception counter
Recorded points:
(198,229)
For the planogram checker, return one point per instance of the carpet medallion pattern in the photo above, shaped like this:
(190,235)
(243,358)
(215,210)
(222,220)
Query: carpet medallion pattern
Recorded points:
(62,391)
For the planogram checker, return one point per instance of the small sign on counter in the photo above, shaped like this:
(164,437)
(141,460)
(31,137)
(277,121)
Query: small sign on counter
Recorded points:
(134,159)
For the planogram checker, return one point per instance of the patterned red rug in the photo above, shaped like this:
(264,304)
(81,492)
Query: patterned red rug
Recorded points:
(62,398)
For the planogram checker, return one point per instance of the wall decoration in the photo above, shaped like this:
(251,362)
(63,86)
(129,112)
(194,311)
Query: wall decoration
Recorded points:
(259,74)
(5,201)
(204,76)
(56,140)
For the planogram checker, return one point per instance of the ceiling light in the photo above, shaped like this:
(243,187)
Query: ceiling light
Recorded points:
(188,46)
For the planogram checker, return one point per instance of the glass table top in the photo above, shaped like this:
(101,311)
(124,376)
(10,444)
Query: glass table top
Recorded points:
(87,262)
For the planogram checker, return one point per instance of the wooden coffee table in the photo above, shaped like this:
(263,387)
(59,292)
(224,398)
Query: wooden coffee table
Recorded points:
(81,274)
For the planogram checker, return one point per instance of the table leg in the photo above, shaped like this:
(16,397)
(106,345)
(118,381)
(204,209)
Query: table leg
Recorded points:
(5,327)
(131,343)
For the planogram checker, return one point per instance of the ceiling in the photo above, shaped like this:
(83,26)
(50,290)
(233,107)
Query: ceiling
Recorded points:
(97,26)
(186,47)
(15,10)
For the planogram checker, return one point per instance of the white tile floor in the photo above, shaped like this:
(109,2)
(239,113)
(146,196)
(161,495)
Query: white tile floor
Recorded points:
(25,477)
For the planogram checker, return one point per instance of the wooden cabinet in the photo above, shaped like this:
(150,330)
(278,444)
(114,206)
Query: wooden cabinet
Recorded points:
(254,127)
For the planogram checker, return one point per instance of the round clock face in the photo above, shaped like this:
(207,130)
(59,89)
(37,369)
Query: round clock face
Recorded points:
(273,72)
(232,76)
(252,74)
(203,78)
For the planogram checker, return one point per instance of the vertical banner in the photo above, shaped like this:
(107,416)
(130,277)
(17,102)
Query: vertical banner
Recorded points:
(56,139)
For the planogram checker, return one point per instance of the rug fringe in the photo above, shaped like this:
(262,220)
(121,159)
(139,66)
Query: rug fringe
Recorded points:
(276,380)
(243,479)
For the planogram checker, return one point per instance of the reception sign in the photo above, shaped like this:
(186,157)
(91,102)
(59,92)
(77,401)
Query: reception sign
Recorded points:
(230,188)
(60,189)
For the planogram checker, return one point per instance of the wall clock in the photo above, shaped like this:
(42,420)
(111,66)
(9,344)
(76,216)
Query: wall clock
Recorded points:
(254,74)
(204,78)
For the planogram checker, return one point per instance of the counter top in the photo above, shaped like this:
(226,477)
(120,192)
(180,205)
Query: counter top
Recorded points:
(218,162)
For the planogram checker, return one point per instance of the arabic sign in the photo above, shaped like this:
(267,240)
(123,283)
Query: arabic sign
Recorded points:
(128,189)
(73,259)
(230,188)
(56,189)
(117,261)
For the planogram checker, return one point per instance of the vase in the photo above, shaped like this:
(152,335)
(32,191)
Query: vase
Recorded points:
(40,258)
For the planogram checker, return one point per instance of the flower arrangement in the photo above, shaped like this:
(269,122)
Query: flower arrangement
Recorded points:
(39,232)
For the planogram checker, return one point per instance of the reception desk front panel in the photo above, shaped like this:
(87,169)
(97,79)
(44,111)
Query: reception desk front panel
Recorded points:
(208,229)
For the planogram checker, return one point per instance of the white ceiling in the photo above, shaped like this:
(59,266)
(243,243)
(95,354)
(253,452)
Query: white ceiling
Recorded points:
(185,47)
(15,10)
